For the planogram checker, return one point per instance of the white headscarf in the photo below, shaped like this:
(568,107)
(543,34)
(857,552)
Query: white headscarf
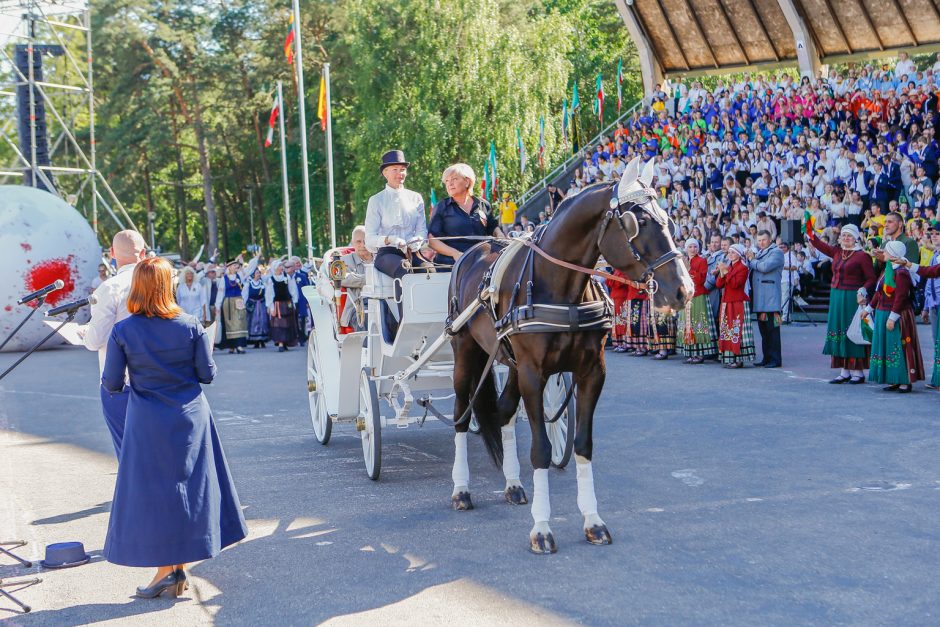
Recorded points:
(895,249)
(738,248)
(854,232)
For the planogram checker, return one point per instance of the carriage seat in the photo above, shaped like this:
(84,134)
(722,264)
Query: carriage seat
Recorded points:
(378,284)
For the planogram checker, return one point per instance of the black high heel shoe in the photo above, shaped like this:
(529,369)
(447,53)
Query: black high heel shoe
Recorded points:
(181,584)
(170,582)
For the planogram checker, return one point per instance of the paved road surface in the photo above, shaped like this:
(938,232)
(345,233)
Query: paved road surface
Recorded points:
(734,497)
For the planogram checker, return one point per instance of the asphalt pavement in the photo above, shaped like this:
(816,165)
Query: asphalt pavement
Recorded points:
(734,497)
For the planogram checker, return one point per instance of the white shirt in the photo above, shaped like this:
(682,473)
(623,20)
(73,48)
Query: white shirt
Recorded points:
(395,213)
(192,299)
(109,309)
(905,67)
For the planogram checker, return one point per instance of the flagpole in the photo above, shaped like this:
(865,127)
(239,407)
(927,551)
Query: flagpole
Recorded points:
(329,155)
(280,118)
(299,61)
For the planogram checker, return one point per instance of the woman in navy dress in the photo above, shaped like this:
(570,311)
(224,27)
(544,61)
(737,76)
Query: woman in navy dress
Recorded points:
(174,500)
(259,329)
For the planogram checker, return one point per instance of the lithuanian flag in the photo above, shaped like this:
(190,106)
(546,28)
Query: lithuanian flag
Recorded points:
(889,284)
(808,222)
(289,42)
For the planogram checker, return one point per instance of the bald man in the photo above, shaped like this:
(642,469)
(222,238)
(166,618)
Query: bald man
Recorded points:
(127,248)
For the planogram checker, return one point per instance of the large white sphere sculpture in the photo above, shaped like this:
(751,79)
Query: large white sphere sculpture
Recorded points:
(42,239)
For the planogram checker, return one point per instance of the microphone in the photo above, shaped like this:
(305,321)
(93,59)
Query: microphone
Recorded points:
(58,285)
(71,307)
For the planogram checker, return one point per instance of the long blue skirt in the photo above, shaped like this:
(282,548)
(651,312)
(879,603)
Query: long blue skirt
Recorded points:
(174,499)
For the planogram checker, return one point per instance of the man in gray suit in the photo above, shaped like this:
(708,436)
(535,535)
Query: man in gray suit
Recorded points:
(766,267)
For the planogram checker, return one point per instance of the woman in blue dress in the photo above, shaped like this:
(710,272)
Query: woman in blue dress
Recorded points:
(259,329)
(174,500)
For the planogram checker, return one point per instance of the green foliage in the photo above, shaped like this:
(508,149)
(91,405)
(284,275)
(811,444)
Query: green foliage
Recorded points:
(438,78)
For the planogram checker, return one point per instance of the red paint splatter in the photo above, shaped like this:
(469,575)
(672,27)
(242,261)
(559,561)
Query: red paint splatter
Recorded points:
(47,272)
(26,247)
(8,308)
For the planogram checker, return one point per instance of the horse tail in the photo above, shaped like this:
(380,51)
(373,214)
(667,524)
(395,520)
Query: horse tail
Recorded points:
(485,410)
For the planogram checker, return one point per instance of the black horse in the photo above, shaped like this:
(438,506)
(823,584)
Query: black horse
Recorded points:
(622,223)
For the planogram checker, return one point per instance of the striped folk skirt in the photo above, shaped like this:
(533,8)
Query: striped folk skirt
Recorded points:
(735,336)
(845,353)
(935,379)
(637,323)
(662,335)
(696,334)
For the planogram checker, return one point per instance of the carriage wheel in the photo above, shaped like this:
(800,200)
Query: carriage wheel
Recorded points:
(371,432)
(316,396)
(560,432)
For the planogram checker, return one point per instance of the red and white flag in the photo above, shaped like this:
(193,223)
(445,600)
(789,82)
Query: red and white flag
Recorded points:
(272,120)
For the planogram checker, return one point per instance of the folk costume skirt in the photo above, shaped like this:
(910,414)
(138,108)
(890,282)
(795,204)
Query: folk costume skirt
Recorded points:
(234,323)
(284,323)
(662,336)
(638,317)
(895,355)
(735,335)
(845,353)
(935,379)
(621,317)
(696,335)
(259,325)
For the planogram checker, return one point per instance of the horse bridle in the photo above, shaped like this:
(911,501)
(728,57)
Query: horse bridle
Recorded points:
(626,220)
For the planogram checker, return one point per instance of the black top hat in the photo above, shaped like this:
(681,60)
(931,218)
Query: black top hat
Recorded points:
(65,555)
(393,157)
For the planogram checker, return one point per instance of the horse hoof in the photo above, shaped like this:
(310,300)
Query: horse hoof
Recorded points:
(515,495)
(542,544)
(598,534)
(461,501)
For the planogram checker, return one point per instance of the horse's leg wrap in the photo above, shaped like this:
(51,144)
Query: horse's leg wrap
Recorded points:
(461,472)
(510,455)
(595,530)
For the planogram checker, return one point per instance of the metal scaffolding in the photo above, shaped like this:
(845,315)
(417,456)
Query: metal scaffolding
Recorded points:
(52,103)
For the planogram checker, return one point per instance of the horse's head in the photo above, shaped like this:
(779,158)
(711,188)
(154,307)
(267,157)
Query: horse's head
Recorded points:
(637,239)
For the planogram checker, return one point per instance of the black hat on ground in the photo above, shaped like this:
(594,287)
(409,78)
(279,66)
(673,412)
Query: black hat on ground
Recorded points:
(393,157)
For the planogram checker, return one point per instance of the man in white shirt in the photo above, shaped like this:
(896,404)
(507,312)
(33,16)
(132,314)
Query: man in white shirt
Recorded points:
(904,66)
(127,248)
(395,225)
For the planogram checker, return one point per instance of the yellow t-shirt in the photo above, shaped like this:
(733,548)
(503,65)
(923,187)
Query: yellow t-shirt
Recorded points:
(880,221)
(507,212)
(926,254)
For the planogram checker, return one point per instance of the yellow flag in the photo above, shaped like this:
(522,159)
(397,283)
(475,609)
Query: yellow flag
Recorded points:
(321,106)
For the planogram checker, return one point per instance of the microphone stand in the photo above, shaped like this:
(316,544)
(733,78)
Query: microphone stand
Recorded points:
(42,300)
(32,350)
(18,543)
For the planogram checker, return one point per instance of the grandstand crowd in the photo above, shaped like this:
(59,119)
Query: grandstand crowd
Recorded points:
(850,148)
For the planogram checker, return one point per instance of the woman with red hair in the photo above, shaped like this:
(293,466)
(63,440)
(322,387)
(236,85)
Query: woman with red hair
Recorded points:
(174,500)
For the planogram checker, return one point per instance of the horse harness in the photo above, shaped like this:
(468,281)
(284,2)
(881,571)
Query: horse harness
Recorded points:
(593,313)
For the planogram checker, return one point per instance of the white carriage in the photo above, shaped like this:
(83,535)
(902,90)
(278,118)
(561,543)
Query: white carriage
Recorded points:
(353,376)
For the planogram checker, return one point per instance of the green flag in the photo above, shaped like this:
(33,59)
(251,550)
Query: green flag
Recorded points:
(575,101)
(433,202)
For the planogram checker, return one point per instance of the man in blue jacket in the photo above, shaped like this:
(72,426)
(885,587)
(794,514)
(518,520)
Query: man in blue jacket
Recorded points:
(766,268)
(881,187)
